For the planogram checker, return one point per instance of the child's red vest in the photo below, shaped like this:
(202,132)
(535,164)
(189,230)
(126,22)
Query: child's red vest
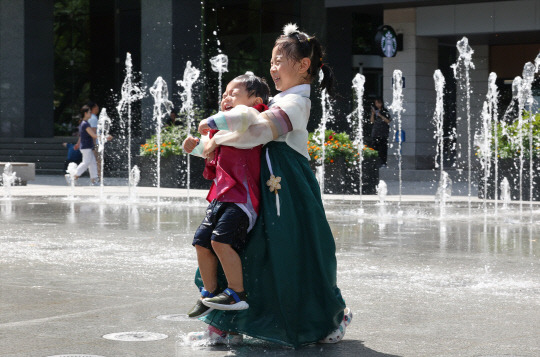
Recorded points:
(231,167)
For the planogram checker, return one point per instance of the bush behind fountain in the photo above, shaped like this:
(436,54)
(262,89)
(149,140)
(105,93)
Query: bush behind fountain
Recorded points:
(341,161)
(508,150)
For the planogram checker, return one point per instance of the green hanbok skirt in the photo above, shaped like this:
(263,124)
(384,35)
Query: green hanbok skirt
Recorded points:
(289,263)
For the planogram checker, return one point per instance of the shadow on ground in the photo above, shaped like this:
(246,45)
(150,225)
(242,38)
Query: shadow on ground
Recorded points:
(252,348)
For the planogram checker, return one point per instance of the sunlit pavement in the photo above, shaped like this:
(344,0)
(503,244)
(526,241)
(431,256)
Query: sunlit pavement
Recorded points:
(421,281)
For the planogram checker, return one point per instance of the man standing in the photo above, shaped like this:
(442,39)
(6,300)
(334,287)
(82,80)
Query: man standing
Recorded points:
(380,118)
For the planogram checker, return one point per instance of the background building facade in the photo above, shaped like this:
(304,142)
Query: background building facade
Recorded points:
(56,55)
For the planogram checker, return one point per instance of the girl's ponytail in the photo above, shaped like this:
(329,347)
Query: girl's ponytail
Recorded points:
(328,81)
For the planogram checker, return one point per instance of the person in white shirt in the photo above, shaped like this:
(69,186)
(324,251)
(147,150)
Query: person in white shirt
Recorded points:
(93,121)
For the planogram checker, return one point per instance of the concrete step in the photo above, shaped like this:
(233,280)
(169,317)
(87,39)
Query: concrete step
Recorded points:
(50,171)
(27,146)
(48,154)
(27,157)
(56,139)
(33,151)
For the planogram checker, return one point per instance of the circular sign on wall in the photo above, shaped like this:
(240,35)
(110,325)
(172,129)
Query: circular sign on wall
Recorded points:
(386,41)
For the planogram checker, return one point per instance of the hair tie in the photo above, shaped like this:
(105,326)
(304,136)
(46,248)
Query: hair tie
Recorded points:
(322,64)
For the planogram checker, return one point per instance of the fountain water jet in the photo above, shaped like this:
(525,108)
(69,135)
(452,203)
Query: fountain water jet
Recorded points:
(103,127)
(382,191)
(444,191)
(134,178)
(484,144)
(8,180)
(72,171)
(528,78)
(320,133)
(465,62)
(161,102)
(397,109)
(220,65)
(191,74)
(518,85)
(438,118)
(358,86)
(130,93)
(505,193)
(493,112)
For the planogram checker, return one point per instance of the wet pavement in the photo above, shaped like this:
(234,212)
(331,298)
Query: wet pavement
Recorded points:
(420,282)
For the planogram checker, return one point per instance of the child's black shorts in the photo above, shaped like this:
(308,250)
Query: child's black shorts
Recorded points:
(225,222)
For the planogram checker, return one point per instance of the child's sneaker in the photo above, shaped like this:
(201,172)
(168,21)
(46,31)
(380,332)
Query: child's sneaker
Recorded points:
(228,300)
(338,334)
(200,310)
(214,336)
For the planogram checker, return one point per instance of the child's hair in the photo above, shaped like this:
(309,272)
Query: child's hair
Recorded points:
(297,45)
(84,109)
(255,86)
(91,104)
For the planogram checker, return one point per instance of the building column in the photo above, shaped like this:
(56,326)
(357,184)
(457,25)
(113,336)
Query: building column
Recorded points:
(339,58)
(39,68)
(171,35)
(417,62)
(12,68)
(156,53)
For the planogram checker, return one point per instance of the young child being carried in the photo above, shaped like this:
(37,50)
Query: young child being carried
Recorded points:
(234,195)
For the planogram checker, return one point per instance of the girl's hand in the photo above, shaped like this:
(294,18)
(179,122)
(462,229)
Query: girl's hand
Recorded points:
(109,138)
(204,129)
(209,148)
(189,144)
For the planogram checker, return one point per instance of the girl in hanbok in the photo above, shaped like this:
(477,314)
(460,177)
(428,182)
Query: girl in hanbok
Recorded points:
(289,264)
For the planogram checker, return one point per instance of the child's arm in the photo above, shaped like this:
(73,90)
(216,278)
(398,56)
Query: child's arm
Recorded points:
(91,132)
(195,146)
(238,119)
(282,118)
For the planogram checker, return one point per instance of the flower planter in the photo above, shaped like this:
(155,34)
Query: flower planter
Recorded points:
(509,168)
(340,178)
(173,172)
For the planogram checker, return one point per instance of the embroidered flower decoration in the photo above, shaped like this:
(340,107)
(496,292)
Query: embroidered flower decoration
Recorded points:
(274,183)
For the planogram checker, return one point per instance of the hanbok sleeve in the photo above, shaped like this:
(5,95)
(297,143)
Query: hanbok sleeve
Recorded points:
(280,119)
(198,150)
(238,119)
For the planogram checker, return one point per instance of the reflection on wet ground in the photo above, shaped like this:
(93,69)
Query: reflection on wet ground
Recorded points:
(420,281)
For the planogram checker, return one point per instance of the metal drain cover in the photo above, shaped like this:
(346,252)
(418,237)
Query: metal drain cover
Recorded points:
(174,317)
(136,336)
